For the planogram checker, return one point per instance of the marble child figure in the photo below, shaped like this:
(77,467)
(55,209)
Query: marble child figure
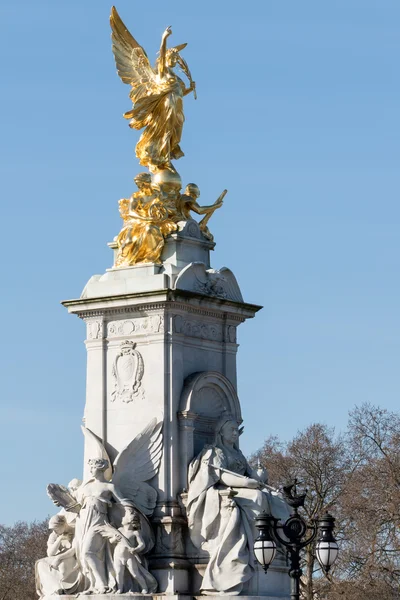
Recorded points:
(188,202)
(225,495)
(127,558)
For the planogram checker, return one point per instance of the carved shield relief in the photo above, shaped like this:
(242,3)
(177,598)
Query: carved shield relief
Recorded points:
(127,371)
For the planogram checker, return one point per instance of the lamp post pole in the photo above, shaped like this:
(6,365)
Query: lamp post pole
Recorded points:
(295,534)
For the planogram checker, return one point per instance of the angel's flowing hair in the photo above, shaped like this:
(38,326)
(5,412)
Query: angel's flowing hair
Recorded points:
(100,463)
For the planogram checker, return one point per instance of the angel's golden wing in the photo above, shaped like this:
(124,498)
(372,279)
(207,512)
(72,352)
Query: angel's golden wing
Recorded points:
(133,65)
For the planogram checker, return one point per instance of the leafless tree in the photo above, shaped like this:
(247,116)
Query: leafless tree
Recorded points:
(319,460)
(356,476)
(20,546)
(371,502)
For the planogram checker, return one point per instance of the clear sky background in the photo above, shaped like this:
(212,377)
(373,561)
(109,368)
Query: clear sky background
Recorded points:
(297,115)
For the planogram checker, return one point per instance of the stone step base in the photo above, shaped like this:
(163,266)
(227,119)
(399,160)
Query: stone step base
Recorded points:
(138,596)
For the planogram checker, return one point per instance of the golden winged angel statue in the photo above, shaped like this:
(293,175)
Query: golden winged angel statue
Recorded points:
(156,94)
(158,208)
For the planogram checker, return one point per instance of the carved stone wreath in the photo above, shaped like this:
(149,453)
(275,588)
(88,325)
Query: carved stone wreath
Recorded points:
(127,371)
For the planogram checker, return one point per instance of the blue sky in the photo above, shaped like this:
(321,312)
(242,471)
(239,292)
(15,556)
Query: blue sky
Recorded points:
(297,115)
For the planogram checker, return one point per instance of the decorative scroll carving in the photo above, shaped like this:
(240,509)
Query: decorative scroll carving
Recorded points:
(211,287)
(221,283)
(231,334)
(198,329)
(94,330)
(128,369)
(138,326)
(192,230)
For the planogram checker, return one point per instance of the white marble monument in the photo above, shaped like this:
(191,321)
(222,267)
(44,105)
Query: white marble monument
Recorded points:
(167,502)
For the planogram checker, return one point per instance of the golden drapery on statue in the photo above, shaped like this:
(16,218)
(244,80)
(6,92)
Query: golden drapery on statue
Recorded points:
(154,211)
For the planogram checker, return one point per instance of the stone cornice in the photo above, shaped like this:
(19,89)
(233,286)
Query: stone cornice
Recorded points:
(163,300)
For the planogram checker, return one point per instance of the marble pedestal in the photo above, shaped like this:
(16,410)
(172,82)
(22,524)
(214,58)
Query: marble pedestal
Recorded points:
(159,597)
(161,341)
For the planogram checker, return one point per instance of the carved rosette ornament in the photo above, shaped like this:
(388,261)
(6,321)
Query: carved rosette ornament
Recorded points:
(127,371)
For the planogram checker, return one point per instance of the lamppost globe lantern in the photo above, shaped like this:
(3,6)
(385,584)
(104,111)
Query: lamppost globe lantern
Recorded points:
(264,545)
(294,535)
(326,549)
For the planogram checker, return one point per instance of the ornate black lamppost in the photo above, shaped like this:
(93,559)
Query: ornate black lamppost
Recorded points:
(295,531)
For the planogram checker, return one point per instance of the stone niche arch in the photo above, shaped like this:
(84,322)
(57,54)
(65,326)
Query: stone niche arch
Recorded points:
(205,397)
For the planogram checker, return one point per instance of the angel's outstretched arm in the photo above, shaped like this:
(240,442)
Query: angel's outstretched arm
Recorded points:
(163,52)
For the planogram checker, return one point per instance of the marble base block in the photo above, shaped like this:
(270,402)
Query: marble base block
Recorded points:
(160,597)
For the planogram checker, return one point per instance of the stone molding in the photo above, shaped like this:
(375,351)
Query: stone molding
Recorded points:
(157,306)
(137,326)
(208,379)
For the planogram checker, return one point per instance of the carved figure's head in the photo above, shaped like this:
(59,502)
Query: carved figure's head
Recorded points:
(74,484)
(230,432)
(58,524)
(97,465)
(227,431)
(131,517)
(143,181)
(192,190)
(172,56)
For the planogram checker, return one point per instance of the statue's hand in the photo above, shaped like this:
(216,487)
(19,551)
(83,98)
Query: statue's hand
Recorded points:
(167,32)
(115,539)
(55,563)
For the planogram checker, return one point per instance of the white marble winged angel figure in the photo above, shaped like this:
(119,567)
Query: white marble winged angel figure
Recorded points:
(106,495)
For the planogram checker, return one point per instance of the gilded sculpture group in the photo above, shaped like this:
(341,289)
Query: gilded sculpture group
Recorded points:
(158,207)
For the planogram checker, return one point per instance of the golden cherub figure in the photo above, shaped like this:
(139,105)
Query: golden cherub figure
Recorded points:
(188,202)
(157,95)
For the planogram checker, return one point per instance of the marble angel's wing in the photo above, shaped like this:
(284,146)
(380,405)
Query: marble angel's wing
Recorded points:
(62,497)
(95,449)
(133,65)
(138,463)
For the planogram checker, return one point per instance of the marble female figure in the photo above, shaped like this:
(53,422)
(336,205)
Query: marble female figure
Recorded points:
(224,497)
(59,573)
(106,496)
(95,497)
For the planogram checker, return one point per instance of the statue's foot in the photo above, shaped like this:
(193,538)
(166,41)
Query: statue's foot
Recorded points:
(144,591)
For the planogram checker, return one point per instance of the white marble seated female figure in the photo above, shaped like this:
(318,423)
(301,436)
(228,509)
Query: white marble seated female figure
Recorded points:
(224,497)
(59,572)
